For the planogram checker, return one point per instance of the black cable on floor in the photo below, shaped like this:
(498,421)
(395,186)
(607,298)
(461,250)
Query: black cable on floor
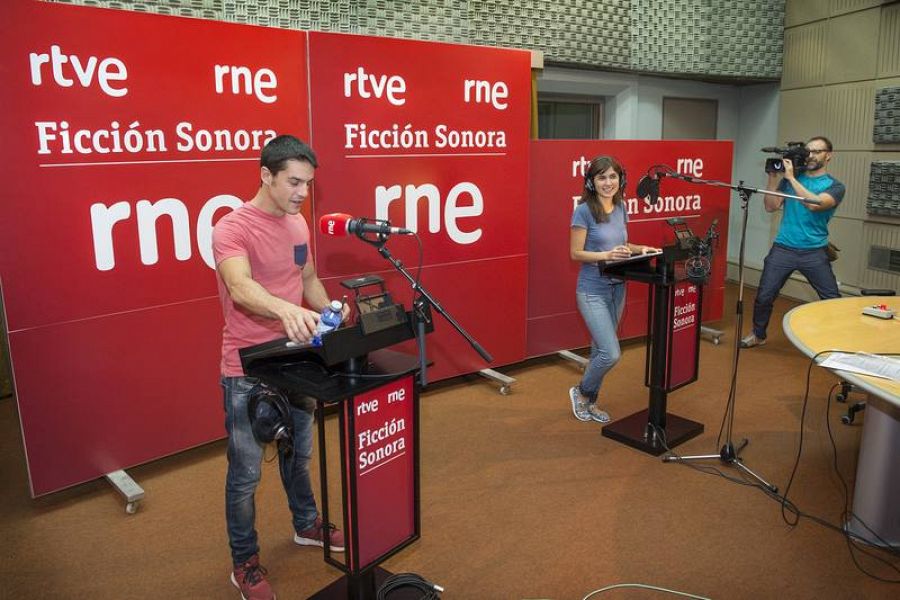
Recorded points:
(853,540)
(430,591)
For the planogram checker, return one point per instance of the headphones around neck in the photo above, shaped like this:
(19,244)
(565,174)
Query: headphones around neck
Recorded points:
(589,179)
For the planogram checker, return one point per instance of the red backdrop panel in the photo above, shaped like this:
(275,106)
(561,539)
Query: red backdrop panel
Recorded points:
(433,137)
(557,179)
(125,137)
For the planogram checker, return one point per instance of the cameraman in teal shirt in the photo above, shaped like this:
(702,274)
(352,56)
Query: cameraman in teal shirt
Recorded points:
(803,235)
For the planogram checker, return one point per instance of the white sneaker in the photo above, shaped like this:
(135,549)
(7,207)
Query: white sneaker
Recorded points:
(579,406)
(750,340)
(601,416)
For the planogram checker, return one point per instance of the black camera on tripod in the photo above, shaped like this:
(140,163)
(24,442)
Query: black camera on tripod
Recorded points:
(796,152)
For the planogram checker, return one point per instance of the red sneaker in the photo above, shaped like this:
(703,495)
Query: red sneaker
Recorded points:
(250,579)
(315,536)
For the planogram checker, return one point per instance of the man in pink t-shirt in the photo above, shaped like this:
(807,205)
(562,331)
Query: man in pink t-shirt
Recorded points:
(264,272)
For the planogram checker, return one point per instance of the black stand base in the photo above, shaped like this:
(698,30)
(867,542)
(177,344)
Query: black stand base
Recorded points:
(364,587)
(635,431)
(728,455)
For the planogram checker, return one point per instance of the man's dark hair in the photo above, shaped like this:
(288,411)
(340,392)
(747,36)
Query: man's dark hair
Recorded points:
(824,140)
(283,148)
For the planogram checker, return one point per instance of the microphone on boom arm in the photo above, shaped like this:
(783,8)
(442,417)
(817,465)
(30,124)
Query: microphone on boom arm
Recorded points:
(648,186)
(341,224)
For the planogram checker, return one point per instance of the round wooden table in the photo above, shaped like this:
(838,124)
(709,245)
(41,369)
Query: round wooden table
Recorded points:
(839,324)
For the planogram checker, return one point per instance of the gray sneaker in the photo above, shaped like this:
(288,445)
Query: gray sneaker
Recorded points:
(579,406)
(601,416)
(750,340)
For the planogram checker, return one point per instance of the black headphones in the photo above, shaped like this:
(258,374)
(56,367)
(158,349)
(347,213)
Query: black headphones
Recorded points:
(589,179)
(270,416)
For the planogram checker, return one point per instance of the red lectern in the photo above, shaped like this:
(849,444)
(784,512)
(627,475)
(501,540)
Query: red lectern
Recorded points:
(673,350)
(377,396)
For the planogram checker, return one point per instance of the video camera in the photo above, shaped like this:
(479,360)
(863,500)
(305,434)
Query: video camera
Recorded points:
(796,152)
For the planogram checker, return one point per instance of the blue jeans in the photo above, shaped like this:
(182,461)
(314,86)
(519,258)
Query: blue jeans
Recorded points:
(778,266)
(245,457)
(601,313)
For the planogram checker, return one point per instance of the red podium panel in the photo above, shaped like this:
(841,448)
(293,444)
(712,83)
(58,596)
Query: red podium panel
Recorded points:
(684,336)
(378,463)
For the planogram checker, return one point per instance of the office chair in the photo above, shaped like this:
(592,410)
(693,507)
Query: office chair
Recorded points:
(846,387)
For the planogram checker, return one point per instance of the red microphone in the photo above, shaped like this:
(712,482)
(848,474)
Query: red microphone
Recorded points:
(341,224)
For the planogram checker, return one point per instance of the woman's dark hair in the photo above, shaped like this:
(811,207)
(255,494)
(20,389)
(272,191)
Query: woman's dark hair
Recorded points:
(600,165)
(283,148)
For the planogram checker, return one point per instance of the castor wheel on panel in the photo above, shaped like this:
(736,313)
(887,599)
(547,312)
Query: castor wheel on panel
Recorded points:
(844,392)
(126,486)
(851,412)
(504,380)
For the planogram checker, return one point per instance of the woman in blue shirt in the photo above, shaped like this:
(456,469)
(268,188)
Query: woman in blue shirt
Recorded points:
(599,233)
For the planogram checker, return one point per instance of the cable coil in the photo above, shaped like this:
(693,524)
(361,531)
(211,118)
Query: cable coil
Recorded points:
(430,591)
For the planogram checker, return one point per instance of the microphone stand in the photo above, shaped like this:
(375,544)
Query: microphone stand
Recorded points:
(421,302)
(728,454)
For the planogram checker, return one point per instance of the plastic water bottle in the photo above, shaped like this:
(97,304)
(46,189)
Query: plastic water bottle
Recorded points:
(330,320)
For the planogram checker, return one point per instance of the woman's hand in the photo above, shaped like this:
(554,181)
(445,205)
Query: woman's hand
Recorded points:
(619,253)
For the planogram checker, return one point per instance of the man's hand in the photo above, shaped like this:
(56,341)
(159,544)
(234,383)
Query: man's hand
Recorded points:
(788,169)
(299,323)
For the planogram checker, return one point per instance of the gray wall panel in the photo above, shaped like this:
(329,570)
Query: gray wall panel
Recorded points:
(686,38)
(889,50)
(840,7)
(804,56)
(852,47)
(849,115)
(798,12)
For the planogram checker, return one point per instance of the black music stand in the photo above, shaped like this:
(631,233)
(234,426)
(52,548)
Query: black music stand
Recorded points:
(349,369)
(642,430)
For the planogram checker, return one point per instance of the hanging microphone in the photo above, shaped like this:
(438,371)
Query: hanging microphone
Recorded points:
(341,224)
(648,185)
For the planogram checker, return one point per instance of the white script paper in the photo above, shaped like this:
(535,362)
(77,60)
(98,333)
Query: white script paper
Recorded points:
(885,367)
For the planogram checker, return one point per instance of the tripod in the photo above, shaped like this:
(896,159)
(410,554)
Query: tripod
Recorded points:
(729,454)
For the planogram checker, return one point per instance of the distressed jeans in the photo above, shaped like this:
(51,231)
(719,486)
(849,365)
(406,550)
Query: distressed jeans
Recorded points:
(245,457)
(778,266)
(601,313)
